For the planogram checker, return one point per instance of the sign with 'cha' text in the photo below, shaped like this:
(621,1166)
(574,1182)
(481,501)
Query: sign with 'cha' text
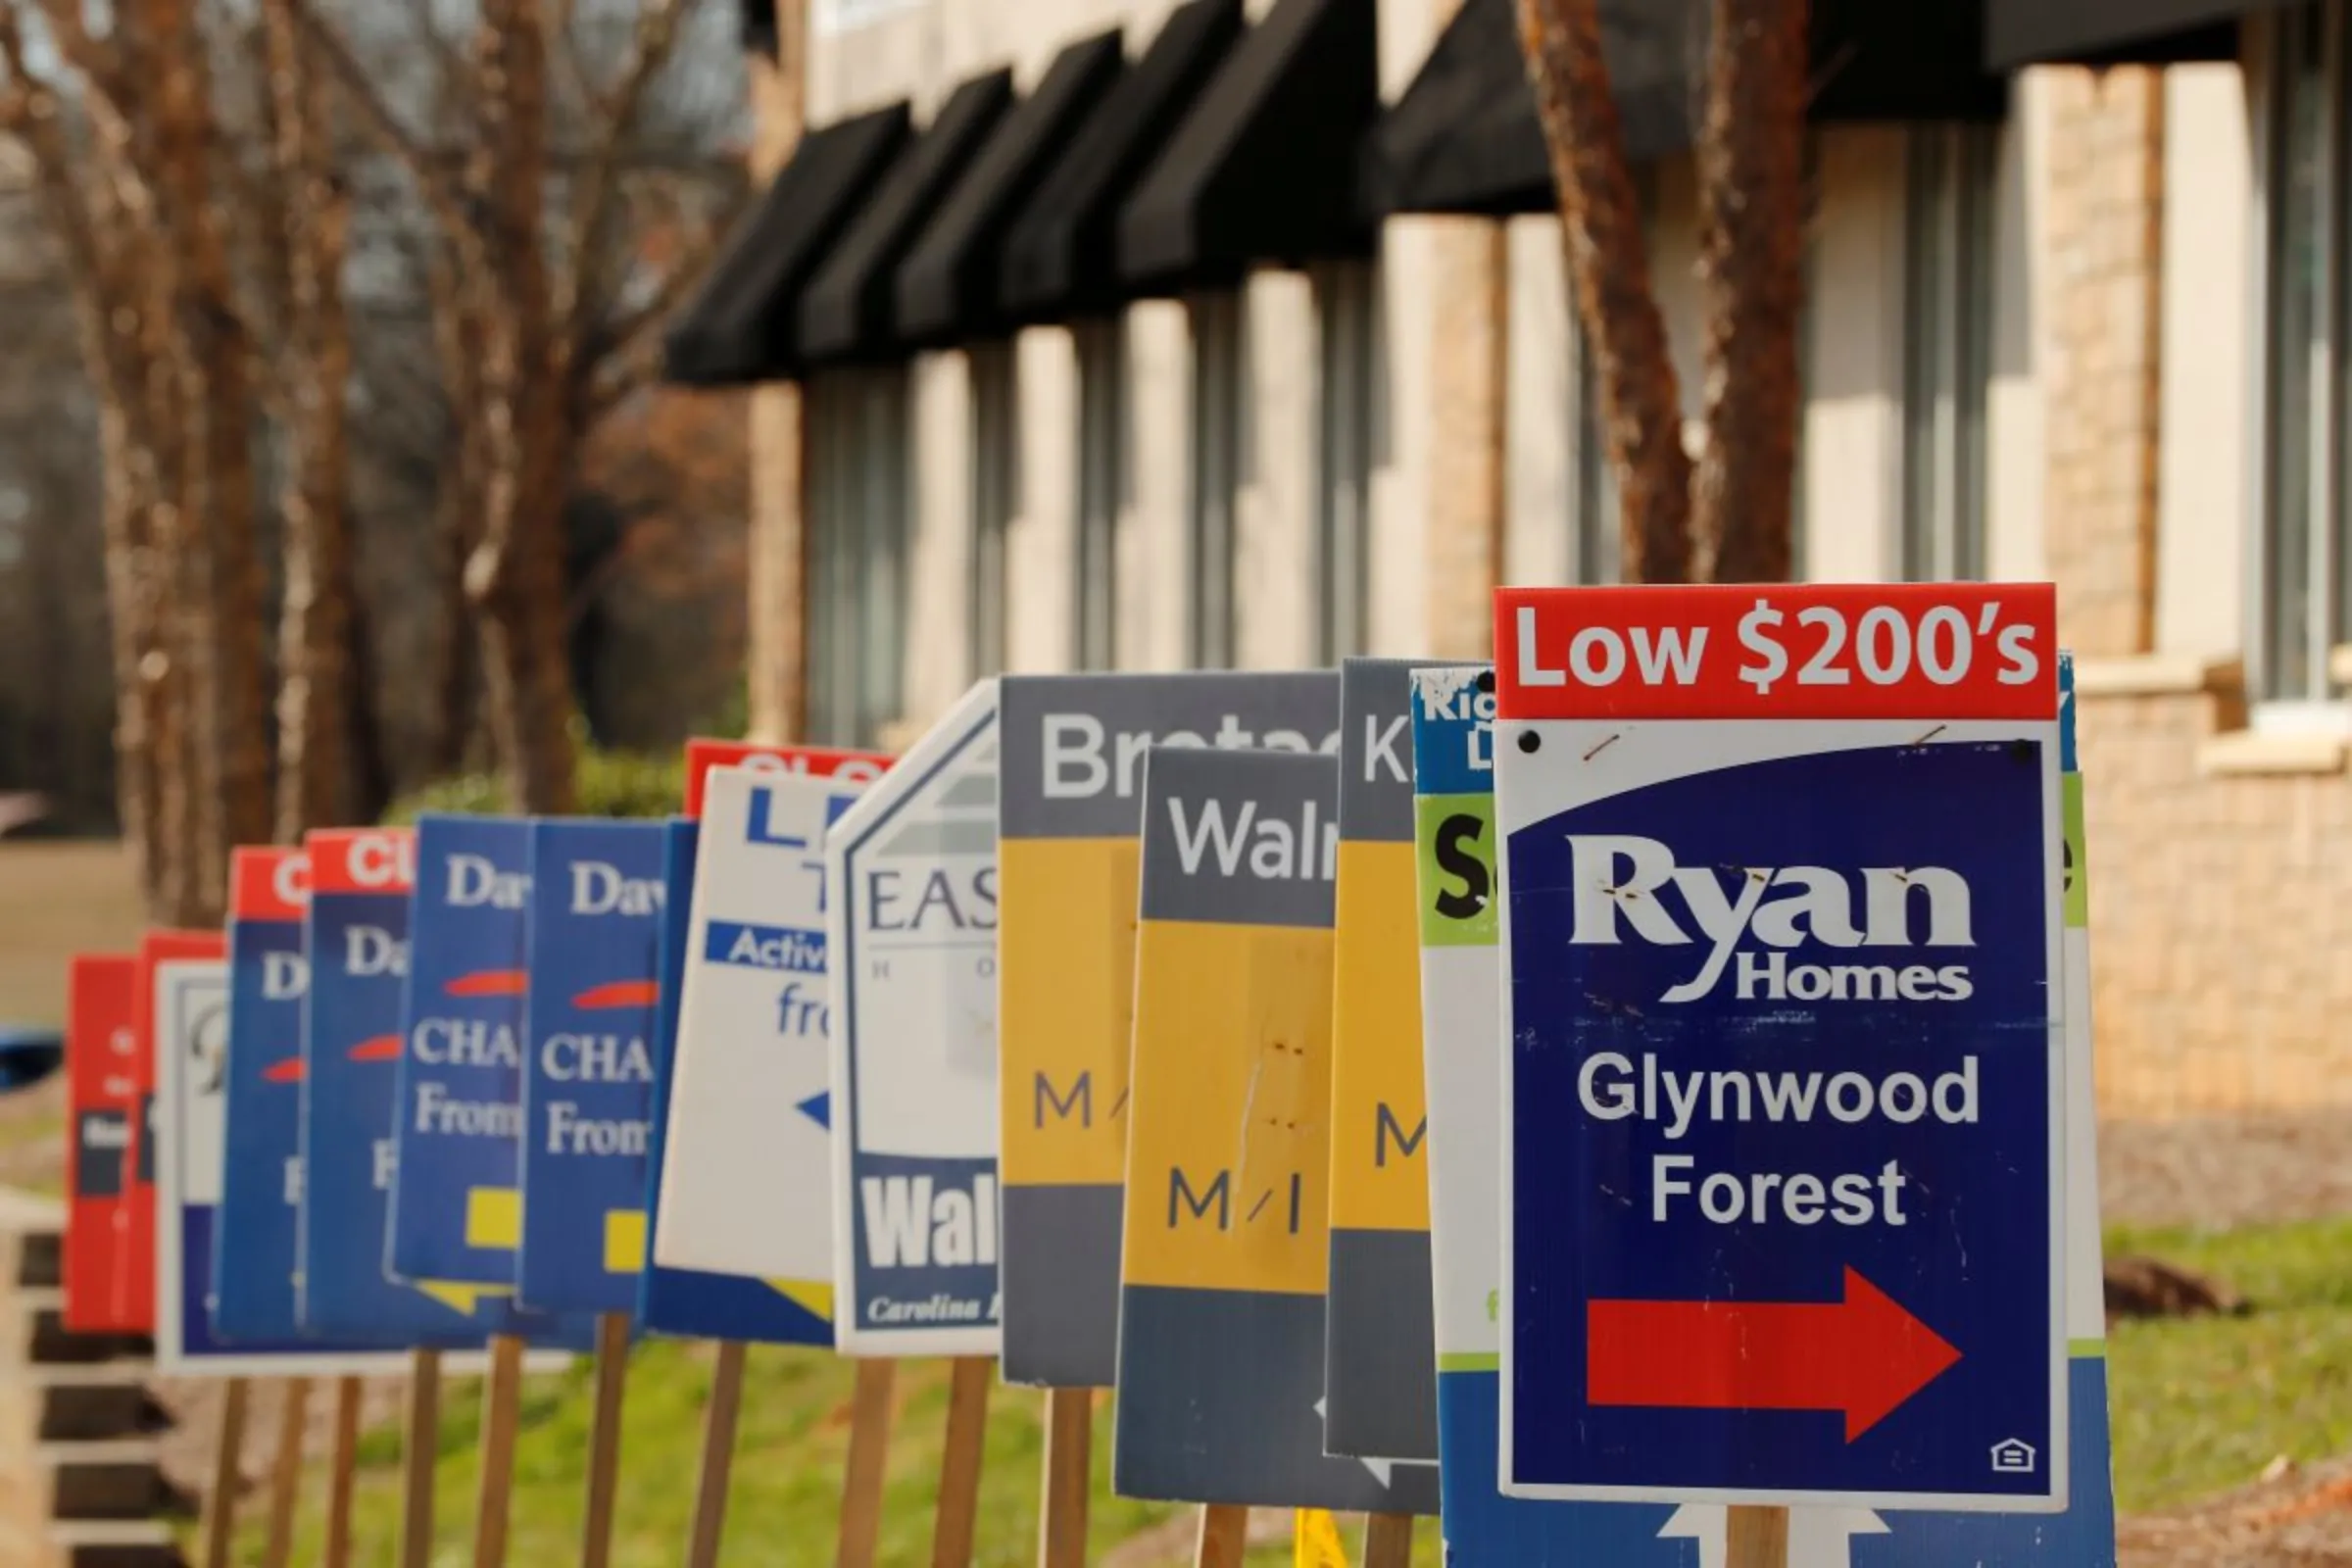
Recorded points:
(1784,1092)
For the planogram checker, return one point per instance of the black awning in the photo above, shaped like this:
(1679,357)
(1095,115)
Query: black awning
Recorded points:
(1465,138)
(1264,167)
(949,285)
(743,325)
(1061,257)
(759,28)
(2113,33)
(848,311)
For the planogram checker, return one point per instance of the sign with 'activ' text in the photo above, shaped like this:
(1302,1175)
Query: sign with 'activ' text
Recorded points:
(102,1096)
(1225,1265)
(912,928)
(595,943)
(1378,1369)
(1783,1092)
(750,1109)
(1069,820)
(457,1206)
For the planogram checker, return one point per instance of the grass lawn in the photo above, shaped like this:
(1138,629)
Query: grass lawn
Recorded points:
(2201,1404)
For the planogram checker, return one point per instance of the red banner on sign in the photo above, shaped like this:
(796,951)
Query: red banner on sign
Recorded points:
(1948,651)
(134,1282)
(102,1100)
(362,860)
(269,884)
(820,762)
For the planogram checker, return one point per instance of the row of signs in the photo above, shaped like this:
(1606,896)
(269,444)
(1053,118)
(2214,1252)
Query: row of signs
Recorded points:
(1646,1074)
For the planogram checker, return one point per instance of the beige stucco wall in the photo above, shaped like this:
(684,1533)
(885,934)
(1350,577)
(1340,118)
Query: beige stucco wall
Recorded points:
(2202,506)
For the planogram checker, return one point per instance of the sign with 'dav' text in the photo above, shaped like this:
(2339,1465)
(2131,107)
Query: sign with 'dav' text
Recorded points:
(254,1264)
(1225,1261)
(456,1204)
(912,933)
(1073,776)
(357,936)
(750,1103)
(1783,1089)
(595,943)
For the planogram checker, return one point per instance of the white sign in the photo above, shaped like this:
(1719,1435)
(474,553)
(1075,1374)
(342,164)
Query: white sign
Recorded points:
(914,940)
(747,1165)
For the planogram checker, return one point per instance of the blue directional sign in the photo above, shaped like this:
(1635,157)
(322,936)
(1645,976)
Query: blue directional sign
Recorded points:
(356,934)
(690,1301)
(457,1206)
(1783,1090)
(594,945)
(254,1264)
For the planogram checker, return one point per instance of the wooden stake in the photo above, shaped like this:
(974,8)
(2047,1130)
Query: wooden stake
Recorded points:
(420,1452)
(1756,1538)
(502,1394)
(1224,1536)
(1069,1470)
(863,1474)
(285,1472)
(958,1517)
(719,1456)
(342,1472)
(1389,1541)
(228,1447)
(603,1436)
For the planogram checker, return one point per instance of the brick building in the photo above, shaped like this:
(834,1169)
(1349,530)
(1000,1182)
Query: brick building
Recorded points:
(1133,334)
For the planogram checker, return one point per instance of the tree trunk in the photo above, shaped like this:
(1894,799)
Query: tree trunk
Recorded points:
(1752,280)
(1608,264)
(777,680)
(316,688)
(220,579)
(516,577)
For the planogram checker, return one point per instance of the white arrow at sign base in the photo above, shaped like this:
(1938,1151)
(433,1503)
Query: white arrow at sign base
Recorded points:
(1385,1471)
(1818,1538)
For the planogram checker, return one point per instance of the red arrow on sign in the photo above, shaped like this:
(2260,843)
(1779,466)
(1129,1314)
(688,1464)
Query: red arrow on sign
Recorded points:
(1863,1356)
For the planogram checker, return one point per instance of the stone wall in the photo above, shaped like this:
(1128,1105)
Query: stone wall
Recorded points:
(2221,897)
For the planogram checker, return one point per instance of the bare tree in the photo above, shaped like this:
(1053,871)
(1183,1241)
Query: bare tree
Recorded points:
(1728,515)
(544,322)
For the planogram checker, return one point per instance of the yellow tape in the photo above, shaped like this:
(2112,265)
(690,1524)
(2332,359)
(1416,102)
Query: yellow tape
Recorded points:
(1315,1540)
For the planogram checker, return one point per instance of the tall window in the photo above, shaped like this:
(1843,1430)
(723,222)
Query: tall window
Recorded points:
(1219,385)
(857,463)
(1947,348)
(1102,487)
(2305,573)
(995,453)
(1347,322)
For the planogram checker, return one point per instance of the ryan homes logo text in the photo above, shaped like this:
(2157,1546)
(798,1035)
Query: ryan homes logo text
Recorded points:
(1744,923)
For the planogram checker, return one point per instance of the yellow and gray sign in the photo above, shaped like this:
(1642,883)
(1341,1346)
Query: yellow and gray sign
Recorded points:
(1380,1367)
(1221,1328)
(1072,768)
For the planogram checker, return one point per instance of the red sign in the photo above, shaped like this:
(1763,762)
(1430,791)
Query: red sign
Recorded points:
(820,762)
(362,860)
(1948,651)
(269,884)
(102,1100)
(134,1282)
